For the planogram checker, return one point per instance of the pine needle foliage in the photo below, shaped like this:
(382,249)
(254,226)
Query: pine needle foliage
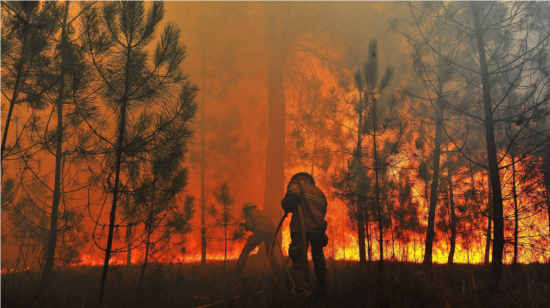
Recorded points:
(137,83)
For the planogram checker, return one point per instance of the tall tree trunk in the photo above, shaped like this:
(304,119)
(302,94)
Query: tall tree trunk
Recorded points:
(276,118)
(434,195)
(369,246)
(129,242)
(118,160)
(498,210)
(344,232)
(376,183)
(15,93)
(203,184)
(359,187)
(488,237)
(225,243)
(392,237)
(52,239)
(414,244)
(516,219)
(453,220)
(428,248)
(147,242)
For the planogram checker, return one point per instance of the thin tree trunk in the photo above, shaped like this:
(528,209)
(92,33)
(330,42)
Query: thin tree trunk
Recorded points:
(358,188)
(148,241)
(128,241)
(413,232)
(376,183)
(118,160)
(453,220)
(225,248)
(203,166)
(414,245)
(405,245)
(516,220)
(498,210)
(15,93)
(344,232)
(392,239)
(225,222)
(489,225)
(52,239)
(434,196)
(369,247)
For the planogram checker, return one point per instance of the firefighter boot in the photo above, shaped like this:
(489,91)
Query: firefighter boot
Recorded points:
(321,286)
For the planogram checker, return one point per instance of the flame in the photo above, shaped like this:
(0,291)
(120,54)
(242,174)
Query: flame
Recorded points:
(343,243)
(12,270)
(138,257)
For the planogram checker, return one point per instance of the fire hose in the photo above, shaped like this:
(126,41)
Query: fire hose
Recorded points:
(304,245)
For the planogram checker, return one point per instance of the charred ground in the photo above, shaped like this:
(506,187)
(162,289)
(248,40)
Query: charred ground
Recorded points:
(190,285)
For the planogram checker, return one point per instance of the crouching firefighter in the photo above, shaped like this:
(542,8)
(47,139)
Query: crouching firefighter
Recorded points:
(261,226)
(302,193)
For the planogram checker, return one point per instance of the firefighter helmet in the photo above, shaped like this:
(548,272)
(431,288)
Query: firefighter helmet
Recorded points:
(305,174)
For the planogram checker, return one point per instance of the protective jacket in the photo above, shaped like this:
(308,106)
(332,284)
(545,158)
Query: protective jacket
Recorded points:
(258,221)
(313,203)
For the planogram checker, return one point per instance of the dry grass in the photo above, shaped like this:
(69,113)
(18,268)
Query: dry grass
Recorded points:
(189,285)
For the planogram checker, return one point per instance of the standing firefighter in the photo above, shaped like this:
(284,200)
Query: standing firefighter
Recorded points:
(261,226)
(301,190)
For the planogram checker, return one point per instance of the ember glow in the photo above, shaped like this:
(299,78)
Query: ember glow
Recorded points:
(137,258)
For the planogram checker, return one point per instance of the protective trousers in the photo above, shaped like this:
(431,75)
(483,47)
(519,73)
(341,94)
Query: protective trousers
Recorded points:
(254,241)
(299,262)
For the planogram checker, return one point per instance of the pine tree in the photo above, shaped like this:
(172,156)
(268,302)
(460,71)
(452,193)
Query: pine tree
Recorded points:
(374,87)
(133,79)
(27,37)
(478,71)
(223,218)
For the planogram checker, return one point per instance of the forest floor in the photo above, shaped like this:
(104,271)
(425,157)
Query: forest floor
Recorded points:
(190,285)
